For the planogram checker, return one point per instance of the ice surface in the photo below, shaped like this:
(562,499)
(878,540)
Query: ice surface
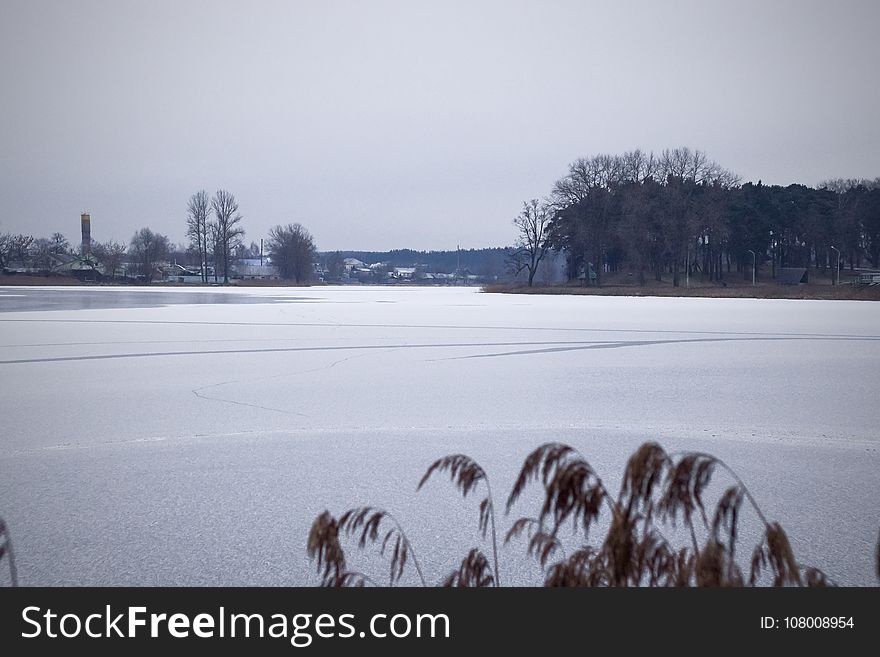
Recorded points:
(193,443)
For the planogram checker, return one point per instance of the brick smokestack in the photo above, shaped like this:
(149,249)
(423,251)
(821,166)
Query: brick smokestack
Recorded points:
(86,222)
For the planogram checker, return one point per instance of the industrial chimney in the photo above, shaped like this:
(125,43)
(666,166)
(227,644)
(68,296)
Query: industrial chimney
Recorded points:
(86,222)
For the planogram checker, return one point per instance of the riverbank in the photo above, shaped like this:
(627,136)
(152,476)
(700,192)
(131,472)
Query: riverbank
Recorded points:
(663,289)
(26,280)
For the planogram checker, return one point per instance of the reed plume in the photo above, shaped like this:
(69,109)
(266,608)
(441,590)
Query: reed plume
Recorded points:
(6,552)
(659,494)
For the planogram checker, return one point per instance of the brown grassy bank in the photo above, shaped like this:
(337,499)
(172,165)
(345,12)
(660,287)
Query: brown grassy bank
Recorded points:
(759,291)
(261,282)
(25,280)
(30,281)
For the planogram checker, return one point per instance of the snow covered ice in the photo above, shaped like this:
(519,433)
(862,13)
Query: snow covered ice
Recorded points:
(179,437)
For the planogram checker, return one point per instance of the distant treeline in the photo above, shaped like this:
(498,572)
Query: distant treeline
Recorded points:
(681,212)
(673,214)
(480,262)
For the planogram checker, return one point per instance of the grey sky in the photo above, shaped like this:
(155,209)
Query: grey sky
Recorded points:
(409,124)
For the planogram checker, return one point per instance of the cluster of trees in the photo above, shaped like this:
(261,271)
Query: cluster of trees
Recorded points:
(42,253)
(214,240)
(680,212)
(31,251)
(217,241)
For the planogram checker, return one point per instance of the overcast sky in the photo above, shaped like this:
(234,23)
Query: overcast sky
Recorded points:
(384,125)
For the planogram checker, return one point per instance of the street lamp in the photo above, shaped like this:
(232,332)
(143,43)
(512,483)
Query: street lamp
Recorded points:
(687,267)
(754,263)
(837,278)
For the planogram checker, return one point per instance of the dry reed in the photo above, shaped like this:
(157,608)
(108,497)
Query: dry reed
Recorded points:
(6,552)
(659,493)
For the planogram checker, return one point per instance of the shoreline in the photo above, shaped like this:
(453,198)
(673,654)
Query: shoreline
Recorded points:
(760,291)
(764,290)
(24,280)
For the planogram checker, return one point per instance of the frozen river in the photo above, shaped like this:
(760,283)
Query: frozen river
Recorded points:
(179,437)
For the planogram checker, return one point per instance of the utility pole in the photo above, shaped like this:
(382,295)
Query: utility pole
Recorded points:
(754,263)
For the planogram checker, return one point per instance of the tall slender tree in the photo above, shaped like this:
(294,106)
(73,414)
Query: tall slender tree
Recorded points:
(531,245)
(229,231)
(198,209)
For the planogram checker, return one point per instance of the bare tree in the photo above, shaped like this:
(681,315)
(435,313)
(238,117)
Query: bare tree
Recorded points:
(147,250)
(20,248)
(637,166)
(215,249)
(41,255)
(293,251)
(197,211)
(694,166)
(5,248)
(228,231)
(110,255)
(531,245)
(58,244)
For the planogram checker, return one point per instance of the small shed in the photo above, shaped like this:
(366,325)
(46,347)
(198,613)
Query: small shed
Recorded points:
(792,275)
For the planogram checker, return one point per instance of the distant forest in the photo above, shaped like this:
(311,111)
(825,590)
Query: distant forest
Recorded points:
(488,262)
(679,212)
